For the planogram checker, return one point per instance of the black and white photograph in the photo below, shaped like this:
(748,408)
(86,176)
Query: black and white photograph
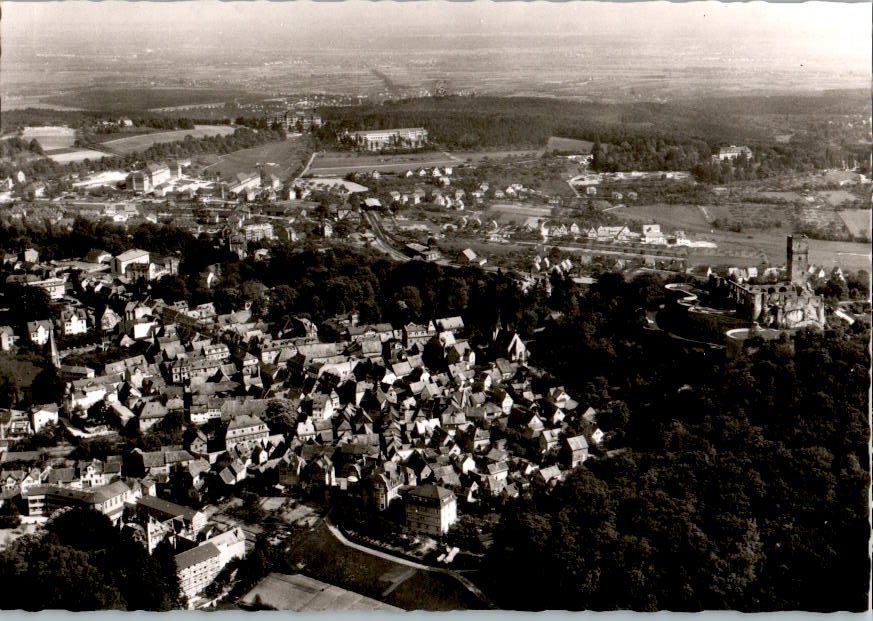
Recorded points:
(375,306)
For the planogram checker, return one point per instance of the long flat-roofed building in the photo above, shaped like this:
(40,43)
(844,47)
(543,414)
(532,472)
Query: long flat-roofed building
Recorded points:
(378,139)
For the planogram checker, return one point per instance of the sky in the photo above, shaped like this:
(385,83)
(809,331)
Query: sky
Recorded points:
(818,38)
(835,28)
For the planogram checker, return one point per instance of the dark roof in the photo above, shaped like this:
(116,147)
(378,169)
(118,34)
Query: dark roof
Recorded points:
(197,555)
(167,507)
(431,492)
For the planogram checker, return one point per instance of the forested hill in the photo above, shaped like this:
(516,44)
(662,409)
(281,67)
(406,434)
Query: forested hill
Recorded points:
(643,135)
(493,121)
(744,484)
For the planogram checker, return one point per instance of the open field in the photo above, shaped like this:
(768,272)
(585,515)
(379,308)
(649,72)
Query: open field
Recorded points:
(857,221)
(475,157)
(836,197)
(749,247)
(144,141)
(327,559)
(688,218)
(282,159)
(517,213)
(65,156)
(568,145)
(50,138)
(847,255)
(304,594)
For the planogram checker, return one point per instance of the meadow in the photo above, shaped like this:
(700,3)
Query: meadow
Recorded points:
(857,221)
(141,142)
(283,159)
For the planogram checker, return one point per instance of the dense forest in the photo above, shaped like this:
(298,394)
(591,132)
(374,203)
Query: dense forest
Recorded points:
(742,482)
(82,563)
(743,486)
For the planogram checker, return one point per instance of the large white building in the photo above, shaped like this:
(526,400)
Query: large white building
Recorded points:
(733,152)
(55,287)
(244,183)
(199,566)
(153,175)
(128,258)
(376,140)
(257,232)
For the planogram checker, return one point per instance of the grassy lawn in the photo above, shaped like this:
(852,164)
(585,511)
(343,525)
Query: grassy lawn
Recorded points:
(328,560)
(282,159)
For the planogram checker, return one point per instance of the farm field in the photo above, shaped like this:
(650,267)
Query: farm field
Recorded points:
(857,221)
(144,98)
(568,145)
(847,255)
(475,157)
(506,213)
(282,159)
(141,142)
(688,218)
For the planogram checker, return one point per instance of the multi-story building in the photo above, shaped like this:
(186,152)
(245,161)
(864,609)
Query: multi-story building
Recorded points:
(733,152)
(243,183)
(246,432)
(376,140)
(148,178)
(55,287)
(75,321)
(257,232)
(431,509)
(163,510)
(39,331)
(198,567)
(129,257)
(107,499)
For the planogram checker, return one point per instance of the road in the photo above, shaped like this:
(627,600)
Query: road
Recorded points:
(306,168)
(402,561)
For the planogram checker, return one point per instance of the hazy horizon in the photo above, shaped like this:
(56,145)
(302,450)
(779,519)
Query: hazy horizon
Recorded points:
(810,45)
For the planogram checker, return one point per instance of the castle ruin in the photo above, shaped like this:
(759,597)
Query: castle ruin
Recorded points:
(784,305)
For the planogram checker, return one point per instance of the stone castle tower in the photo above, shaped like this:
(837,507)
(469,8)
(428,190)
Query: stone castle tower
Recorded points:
(798,259)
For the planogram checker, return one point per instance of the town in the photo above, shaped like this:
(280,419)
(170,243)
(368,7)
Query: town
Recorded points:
(303,316)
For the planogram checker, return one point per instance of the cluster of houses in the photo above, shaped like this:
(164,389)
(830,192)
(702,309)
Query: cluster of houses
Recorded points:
(364,415)
(651,234)
(64,281)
